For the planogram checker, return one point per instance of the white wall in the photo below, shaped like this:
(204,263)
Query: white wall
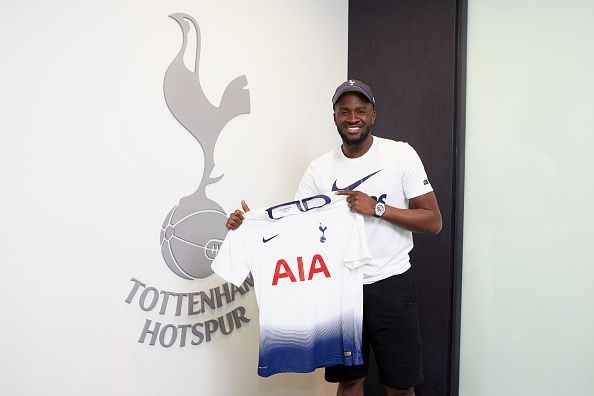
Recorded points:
(527,317)
(91,162)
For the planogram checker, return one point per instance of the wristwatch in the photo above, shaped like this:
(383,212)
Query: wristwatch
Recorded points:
(379,209)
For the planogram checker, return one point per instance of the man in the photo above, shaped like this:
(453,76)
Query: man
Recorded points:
(384,181)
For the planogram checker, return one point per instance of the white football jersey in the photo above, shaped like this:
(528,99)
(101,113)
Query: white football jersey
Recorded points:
(307,259)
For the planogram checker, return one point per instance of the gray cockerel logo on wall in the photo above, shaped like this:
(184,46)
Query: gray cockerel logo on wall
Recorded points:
(194,229)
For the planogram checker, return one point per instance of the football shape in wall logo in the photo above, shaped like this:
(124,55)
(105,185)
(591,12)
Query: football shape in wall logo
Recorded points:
(194,229)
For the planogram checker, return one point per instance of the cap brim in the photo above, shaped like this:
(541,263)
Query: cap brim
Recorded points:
(341,91)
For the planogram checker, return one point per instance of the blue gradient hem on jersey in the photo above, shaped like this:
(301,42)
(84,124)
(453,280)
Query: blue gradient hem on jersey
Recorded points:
(305,359)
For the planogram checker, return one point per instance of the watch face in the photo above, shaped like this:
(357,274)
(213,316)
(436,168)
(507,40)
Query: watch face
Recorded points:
(379,209)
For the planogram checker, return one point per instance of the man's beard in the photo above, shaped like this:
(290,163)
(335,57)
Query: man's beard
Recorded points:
(357,142)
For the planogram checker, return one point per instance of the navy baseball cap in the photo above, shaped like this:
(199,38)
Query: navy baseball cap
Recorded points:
(353,86)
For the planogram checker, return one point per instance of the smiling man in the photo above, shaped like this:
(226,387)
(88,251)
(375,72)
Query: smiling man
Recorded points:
(384,181)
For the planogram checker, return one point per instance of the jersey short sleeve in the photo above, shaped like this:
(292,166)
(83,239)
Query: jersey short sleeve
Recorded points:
(414,181)
(357,252)
(231,262)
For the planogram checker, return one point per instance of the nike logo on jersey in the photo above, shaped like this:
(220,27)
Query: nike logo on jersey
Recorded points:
(269,239)
(354,185)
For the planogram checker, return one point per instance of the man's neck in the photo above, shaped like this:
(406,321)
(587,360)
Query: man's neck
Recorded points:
(357,151)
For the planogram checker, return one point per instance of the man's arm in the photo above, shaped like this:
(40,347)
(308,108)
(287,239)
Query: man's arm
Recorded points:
(307,185)
(423,215)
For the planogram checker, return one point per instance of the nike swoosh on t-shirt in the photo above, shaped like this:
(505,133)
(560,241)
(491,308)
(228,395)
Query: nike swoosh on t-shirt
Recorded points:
(354,185)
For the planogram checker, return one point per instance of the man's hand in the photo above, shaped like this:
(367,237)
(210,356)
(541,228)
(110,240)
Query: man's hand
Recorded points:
(236,218)
(422,216)
(359,202)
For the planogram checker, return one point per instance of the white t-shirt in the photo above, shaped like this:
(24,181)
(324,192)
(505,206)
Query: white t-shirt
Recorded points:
(307,259)
(391,172)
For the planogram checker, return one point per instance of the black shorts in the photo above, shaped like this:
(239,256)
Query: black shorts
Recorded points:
(391,328)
